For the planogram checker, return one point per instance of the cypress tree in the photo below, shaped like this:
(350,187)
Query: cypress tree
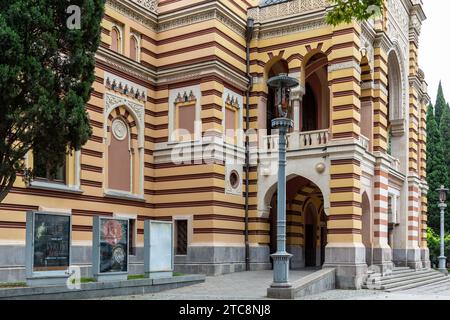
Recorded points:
(445,137)
(436,169)
(47,62)
(440,104)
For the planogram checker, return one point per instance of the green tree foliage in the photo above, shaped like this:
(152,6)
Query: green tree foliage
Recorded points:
(437,173)
(345,11)
(46,75)
(444,128)
(445,138)
(440,104)
(434,245)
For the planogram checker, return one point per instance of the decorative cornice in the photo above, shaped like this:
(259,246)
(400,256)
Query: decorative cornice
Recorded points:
(133,10)
(285,9)
(297,25)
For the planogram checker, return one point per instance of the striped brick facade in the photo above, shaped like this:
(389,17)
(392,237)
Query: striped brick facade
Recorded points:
(193,54)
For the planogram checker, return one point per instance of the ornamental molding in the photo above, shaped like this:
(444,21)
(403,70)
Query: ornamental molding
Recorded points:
(291,28)
(119,129)
(121,63)
(125,87)
(286,9)
(150,5)
(398,24)
(214,11)
(232,98)
(137,110)
(131,9)
(185,97)
(344,65)
(197,71)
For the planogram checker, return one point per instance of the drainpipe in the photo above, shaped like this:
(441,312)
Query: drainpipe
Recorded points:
(248,38)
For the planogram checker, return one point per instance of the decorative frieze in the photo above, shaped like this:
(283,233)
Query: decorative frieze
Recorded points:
(291,29)
(151,5)
(125,87)
(286,9)
(185,97)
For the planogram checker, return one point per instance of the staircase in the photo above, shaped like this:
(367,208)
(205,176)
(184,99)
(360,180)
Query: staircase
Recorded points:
(404,278)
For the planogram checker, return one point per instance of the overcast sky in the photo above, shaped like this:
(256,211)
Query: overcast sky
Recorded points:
(434,50)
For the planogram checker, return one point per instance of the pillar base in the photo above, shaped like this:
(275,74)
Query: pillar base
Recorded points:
(410,258)
(382,260)
(280,269)
(350,265)
(425,256)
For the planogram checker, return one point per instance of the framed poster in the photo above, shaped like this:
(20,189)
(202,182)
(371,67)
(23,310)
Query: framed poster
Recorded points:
(111,245)
(158,238)
(48,241)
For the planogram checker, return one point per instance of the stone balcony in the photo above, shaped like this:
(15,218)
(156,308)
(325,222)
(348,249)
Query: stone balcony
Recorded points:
(298,140)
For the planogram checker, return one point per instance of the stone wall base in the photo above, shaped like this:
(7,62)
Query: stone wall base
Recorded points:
(411,258)
(298,260)
(199,260)
(425,256)
(350,265)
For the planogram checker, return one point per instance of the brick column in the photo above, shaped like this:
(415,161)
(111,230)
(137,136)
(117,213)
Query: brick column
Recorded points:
(345,250)
(382,253)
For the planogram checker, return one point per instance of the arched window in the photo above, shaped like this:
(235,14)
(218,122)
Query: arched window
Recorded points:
(315,110)
(119,157)
(134,48)
(115,40)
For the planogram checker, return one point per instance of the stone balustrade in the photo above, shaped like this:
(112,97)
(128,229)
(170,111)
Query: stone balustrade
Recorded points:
(298,140)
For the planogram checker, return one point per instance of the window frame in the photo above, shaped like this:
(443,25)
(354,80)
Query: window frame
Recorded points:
(175,235)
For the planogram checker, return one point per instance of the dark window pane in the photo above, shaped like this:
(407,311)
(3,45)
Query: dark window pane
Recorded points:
(181,237)
(132,236)
(43,171)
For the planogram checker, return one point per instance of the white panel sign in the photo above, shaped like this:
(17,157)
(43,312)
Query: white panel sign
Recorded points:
(158,248)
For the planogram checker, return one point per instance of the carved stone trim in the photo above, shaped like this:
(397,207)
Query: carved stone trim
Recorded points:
(119,129)
(123,86)
(286,9)
(137,110)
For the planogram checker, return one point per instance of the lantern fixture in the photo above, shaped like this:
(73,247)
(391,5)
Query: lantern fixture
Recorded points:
(283,85)
(442,194)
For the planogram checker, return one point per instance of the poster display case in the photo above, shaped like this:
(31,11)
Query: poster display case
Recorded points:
(48,247)
(110,248)
(158,249)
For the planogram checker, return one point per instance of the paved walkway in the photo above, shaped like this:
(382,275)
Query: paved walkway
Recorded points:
(235,286)
(253,286)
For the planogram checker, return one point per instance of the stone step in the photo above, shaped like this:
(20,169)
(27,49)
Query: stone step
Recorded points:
(407,270)
(415,284)
(442,284)
(400,268)
(395,275)
(404,276)
(411,283)
(383,284)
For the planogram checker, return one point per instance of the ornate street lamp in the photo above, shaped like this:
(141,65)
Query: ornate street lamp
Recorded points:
(282,84)
(442,205)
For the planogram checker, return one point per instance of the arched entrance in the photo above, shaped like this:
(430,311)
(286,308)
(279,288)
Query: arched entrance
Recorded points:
(306,232)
